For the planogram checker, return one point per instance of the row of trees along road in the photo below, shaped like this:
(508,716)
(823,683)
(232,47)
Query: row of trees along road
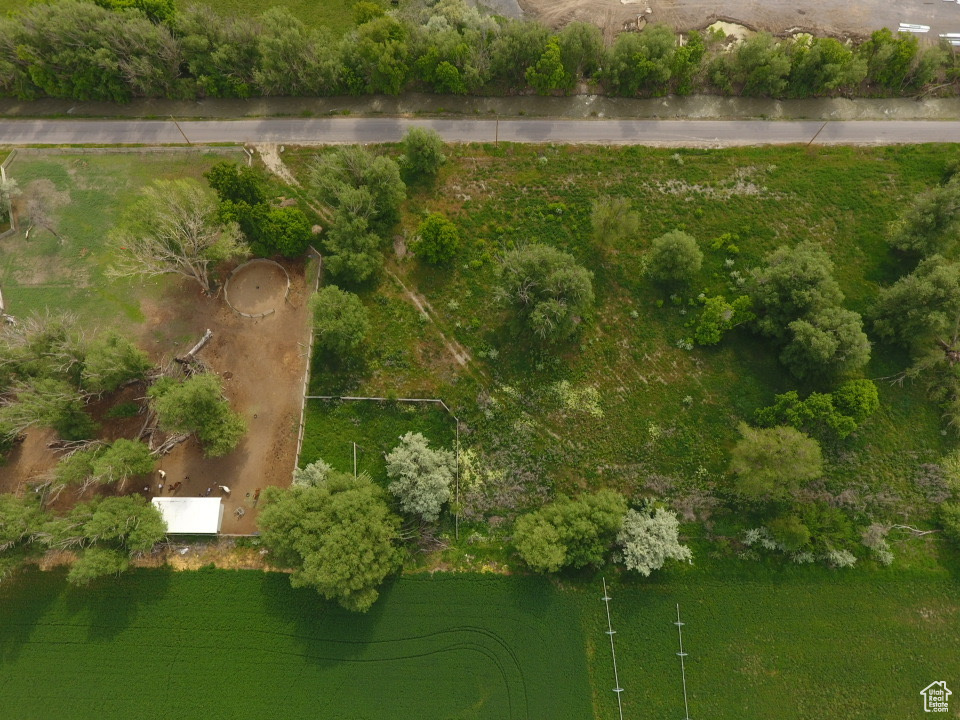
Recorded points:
(117,50)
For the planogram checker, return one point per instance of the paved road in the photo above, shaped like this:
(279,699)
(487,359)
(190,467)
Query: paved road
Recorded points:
(673,133)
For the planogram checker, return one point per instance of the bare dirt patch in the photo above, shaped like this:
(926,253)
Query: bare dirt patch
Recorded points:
(262,362)
(257,288)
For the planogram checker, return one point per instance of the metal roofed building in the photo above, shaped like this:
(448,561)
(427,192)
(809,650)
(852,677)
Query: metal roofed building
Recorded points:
(190,515)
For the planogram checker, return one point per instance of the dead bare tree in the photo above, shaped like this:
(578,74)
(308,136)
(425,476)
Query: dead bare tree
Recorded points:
(39,201)
(173,229)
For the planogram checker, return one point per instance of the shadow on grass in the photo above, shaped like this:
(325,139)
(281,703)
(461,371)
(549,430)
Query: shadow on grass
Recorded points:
(109,605)
(25,597)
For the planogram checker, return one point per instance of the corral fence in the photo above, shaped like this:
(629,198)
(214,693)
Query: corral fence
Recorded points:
(242,266)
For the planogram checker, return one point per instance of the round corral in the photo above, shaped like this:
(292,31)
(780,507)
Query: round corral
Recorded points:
(257,288)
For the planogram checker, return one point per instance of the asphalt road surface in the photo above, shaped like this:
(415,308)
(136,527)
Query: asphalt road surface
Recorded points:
(670,133)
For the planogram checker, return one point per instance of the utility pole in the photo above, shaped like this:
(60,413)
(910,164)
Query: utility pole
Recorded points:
(354,459)
(611,632)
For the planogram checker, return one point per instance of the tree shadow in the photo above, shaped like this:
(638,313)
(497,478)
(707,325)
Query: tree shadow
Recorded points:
(109,605)
(25,597)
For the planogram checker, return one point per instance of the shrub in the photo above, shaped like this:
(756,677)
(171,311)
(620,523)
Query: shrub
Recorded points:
(438,239)
(422,153)
(548,291)
(950,520)
(771,463)
(857,398)
(674,258)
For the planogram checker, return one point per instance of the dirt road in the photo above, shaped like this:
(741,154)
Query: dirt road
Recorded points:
(834,17)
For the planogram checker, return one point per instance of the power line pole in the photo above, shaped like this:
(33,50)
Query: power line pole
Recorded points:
(613,652)
(683,672)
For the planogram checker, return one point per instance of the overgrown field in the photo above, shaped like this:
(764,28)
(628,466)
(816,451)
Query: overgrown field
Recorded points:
(82,195)
(234,645)
(664,416)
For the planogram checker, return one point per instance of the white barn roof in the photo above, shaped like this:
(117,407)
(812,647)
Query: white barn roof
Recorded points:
(190,515)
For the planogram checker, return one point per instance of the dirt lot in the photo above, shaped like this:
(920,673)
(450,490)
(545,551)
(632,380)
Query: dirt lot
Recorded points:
(835,17)
(262,362)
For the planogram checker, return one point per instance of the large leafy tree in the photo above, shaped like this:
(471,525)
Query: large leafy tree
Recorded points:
(791,284)
(338,536)
(921,306)
(112,360)
(21,519)
(422,153)
(420,476)
(770,463)
(340,319)
(829,342)
(438,239)
(648,539)
(173,228)
(197,406)
(547,290)
(547,73)
(931,223)
(570,533)
(642,61)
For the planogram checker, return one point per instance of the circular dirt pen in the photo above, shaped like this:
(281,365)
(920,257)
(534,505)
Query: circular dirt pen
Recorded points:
(257,288)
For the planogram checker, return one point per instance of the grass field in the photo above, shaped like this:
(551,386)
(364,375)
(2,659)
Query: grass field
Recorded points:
(801,644)
(235,645)
(85,193)
(667,412)
(337,15)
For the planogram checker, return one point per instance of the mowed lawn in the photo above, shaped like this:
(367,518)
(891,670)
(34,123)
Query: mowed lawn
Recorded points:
(83,195)
(243,644)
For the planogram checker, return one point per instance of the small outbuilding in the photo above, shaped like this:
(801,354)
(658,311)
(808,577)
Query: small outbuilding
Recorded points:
(190,515)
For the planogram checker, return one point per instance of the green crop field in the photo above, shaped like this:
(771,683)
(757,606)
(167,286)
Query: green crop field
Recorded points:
(82,195)
(241,644)
(787,643)
(796,644)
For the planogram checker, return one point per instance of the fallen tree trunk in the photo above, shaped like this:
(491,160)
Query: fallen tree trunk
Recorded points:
(170,443)
(188,358)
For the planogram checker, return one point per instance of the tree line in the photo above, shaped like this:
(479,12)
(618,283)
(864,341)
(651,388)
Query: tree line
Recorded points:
(118,50)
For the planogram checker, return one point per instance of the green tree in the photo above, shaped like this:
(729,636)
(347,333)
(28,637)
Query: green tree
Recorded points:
(353,249)
(931,223)
(719,317)
(122,460)
(829,342)
(221,54)
(816,415)
(821,65)
(921,305)
(547,74)
(420,476)
(97,562)
(686,63)
(517,46)
(422,153)
(316,473)
(790,533)
(337,176)
(791,284)
(570,533)
(761,66)
(295,59)
(112,360)
(338,537)
(173,228)
(77,467)
(48,402)
(614,222)
(21,519)
(581,50)
(648,539)
(197,406)
(285,230)
(642,61)
(547,290)
(771,463)
(950,520)
(675,258)
(375,57)
(238,183)
(857,398)
(438,240)
(340,319)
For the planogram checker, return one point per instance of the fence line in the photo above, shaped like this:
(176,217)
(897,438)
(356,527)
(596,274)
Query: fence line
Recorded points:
(306,371)
(456,420)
